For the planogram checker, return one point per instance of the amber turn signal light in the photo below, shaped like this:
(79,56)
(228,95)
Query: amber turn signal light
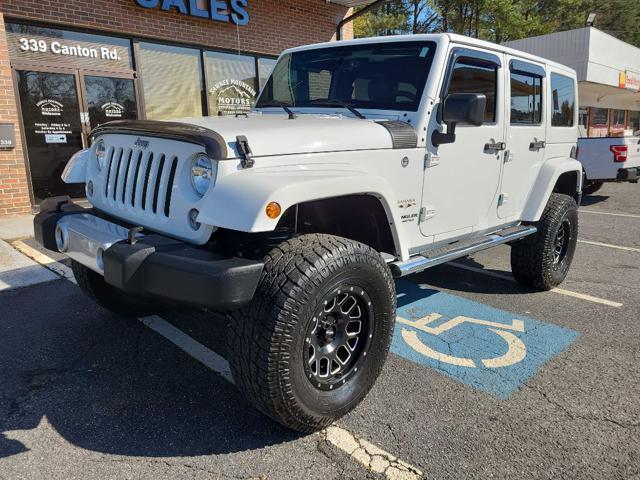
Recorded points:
(273,210)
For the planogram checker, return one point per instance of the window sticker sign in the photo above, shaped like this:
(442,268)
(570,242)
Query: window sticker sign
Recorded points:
(55,138)
(112,109)
(58,48)
(41,44)
(233,97)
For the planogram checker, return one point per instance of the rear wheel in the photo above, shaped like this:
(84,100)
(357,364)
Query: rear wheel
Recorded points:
(591,187)
(542,260)
(109,297)
(315,337)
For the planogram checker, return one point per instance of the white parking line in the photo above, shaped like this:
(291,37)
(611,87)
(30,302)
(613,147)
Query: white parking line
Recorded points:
(207,357)
(608,245)
(610,213)
(561,291)
(365,453)
(44,260)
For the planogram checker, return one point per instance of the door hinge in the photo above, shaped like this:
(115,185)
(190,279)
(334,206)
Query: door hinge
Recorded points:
(508,156)
(245,151)
(502,199)
(431,160)
(426,214)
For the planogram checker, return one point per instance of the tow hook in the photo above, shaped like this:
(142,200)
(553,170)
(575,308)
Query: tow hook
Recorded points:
(131,236)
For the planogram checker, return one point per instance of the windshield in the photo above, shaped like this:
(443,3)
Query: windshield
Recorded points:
(385,76)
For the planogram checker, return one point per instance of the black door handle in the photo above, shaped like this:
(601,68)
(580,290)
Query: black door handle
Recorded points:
(537,145)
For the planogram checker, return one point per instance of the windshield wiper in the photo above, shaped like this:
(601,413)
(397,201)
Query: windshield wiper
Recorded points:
(284,106)
(335,101)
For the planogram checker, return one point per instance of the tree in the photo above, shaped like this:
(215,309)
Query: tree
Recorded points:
(501,20)
(389,19)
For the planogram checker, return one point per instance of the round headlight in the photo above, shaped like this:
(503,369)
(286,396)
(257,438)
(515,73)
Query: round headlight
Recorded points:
(101,153)
(201,173)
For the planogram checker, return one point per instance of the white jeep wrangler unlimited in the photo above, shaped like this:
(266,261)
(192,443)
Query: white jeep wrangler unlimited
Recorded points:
(363,161)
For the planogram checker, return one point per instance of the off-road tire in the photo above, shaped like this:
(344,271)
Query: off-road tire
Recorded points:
(591,187)
(109,297)
(267,339)
(532,258)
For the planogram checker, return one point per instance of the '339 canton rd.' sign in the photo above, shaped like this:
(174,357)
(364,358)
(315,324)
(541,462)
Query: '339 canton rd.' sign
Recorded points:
(219,10)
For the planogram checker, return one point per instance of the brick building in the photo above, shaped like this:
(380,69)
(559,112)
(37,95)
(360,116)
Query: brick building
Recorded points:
(66,67)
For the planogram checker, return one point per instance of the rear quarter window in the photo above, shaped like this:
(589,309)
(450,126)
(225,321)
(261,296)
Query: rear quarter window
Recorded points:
(563,101)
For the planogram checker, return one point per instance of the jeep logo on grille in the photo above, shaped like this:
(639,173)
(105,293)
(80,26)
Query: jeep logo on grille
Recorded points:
(141,143)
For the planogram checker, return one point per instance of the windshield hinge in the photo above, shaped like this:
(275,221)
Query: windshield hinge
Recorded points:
(245,151)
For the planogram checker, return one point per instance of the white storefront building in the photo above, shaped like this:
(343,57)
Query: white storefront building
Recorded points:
(608,77)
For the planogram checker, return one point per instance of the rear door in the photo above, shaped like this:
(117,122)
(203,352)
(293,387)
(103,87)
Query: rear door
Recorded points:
(525,133)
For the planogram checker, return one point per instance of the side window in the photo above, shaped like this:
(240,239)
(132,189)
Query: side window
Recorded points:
(563,101)
(526,99)
(468,77)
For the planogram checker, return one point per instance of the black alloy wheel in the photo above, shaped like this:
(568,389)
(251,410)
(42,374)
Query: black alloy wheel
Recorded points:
(338,337)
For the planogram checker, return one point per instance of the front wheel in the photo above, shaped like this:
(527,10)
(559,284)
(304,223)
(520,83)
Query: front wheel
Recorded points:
(314,339)
(542,260)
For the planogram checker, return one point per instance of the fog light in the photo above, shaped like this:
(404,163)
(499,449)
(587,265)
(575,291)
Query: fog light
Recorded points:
(193,219)
(62,239)
(90,188)
(273,210)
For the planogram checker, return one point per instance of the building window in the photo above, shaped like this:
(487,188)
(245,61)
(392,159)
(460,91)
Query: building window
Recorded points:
(526,99)
(469,78)
(583,121)
(265,67)
(617,124)
(172,81)
(564,101)
(231,83)
(599,124)
(634,121)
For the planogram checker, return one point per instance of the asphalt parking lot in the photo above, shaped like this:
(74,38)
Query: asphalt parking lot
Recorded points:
(486,379)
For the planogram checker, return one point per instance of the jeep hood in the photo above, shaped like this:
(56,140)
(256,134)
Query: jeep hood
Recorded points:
(274,134)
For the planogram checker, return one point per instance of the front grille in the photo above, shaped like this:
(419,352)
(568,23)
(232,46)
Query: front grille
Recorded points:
(148,186)
(140,180)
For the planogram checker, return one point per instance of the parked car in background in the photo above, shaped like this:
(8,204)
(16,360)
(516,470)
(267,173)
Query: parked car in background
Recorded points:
(608,159)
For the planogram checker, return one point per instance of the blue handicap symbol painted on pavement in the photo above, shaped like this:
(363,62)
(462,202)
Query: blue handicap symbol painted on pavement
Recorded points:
(489,349)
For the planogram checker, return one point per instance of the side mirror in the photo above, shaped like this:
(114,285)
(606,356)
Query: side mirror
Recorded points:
(464,108)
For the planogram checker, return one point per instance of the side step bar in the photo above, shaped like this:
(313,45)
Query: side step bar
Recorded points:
(459,249)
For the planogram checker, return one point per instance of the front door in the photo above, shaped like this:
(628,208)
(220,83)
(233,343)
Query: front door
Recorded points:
(461,188)
(59,110)
(526,136)
(50,105)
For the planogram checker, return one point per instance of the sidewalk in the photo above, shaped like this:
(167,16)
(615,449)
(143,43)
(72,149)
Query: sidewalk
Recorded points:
(16,227)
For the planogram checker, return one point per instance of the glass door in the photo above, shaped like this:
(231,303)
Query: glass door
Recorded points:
(108,99)
(50,105)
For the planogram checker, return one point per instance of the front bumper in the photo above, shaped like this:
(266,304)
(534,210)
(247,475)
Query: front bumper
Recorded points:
(628,174)
(150,265)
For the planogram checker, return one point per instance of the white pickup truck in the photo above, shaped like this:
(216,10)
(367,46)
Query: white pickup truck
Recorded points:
(608,159)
